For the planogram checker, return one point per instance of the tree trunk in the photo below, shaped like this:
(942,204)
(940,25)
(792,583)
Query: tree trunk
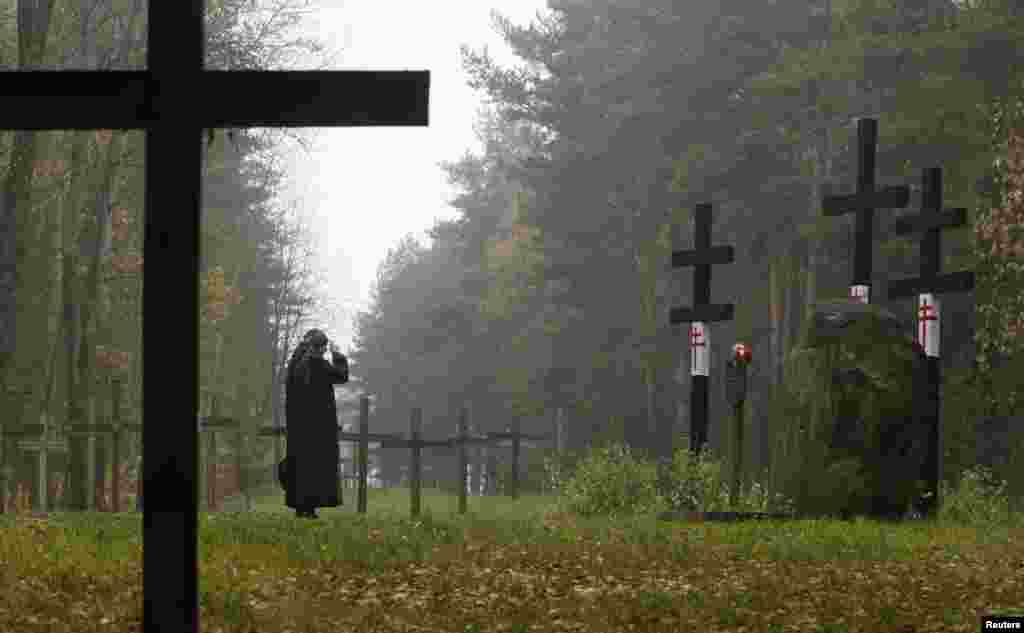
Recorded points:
(74,411)
(794,306)
(100,249)
(652,419)
(33,28)
(54,229)
(775,316)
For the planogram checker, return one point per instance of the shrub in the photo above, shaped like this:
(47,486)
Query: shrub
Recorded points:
(702,484)
(611,481)
(696,484)
(558,469)
(979,499)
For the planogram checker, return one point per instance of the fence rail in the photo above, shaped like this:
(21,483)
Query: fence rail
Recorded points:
(212,425)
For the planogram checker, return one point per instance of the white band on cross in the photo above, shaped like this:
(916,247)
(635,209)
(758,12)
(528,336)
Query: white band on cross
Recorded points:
(698,349)
(860,293)
(928,329)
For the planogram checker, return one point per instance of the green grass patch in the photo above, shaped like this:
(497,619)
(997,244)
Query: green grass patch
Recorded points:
(529,564)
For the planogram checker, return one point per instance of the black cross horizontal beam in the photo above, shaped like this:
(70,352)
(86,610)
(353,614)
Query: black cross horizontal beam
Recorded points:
(960,281)
(123,100)
(701,257)
(893,197)
(708,313)
(920,222)
(714,255)
(929,223)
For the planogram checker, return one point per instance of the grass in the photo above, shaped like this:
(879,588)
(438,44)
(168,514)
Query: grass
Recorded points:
(516,566)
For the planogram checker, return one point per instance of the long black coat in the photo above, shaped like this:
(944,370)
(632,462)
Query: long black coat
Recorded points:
(312,421)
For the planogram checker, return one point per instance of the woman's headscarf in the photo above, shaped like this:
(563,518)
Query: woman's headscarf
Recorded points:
(310,347)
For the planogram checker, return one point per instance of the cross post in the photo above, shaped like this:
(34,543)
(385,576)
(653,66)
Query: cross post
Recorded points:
(863,205)
(930,222)
(162,101)
(462,430)
(701,257)
(363,450)
(415,446)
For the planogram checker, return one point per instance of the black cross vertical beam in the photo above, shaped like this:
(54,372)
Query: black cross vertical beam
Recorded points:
(863,204)
(701,257)
(930,222)
(162,100)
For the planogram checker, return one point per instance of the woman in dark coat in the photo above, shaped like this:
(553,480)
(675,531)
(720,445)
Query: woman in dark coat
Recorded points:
(312,459)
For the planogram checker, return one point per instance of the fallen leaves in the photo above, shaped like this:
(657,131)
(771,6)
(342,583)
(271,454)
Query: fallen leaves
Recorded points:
(596,582)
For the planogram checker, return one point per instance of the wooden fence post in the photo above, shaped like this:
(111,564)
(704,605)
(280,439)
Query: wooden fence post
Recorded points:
(90,457)
(414,462)
(515,460)
(474,461)
(211,471)
(207,463)
(139,500)
(40,484)
(242,478)
(463,420)
(364,431)
(115,419)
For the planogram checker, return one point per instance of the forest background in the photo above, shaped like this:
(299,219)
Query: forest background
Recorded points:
(548,295)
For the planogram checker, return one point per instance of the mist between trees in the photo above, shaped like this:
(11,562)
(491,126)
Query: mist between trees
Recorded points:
(548,296)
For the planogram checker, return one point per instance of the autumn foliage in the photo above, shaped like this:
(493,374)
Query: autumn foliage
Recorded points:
(219,296)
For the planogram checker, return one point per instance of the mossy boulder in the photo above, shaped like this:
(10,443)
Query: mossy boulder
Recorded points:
(851,444)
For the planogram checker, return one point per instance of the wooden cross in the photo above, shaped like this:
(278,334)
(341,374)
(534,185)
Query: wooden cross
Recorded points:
(863,204)
(701,257)
(174,100)
(930,222)
(517,437)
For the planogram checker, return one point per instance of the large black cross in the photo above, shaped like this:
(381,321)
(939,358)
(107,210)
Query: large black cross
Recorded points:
(174,100)
(863,204)
(932,219)
(701,257)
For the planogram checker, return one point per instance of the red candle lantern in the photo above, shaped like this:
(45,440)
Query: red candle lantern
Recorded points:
(741,353)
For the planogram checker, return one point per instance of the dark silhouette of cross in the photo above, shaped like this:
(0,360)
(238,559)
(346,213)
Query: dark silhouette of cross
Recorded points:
(174,101)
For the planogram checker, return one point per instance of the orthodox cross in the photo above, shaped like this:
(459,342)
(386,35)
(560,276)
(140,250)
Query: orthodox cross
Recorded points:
(701,257)
(174,100)
(930,222)
(863,204)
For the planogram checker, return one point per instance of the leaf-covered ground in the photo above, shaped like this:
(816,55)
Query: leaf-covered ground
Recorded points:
(539,572)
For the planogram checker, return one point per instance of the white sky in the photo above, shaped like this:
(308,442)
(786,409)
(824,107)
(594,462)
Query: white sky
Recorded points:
(366,188)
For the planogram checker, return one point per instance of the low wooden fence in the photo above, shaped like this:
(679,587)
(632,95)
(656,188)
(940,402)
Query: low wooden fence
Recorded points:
(210,465)
(415,443)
